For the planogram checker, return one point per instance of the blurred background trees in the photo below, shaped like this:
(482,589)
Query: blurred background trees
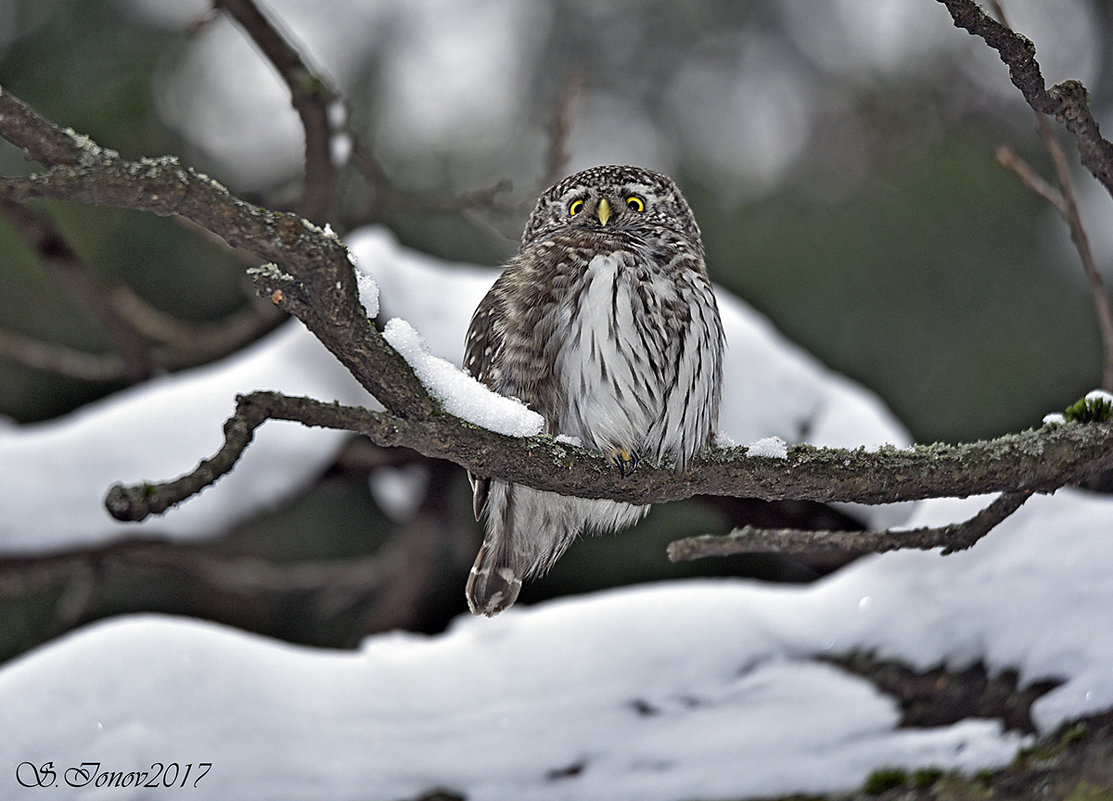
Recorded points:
(839,157)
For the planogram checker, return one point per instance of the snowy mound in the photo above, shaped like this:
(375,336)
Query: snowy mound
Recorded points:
(664,693)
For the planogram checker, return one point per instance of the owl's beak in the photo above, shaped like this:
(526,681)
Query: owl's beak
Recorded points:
(603,211)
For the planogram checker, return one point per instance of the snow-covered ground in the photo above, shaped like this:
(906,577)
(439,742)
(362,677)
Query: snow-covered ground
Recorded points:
(699,689)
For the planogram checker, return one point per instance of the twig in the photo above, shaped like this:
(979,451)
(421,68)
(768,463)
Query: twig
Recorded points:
(1010,160)
(194,342)
(1066,204)
(213,342)
(1068,102)
(560,129)
(423,545)
(1081,241)
(61,360)
(750,539)
(310,96)
(134,360)
(1032,461)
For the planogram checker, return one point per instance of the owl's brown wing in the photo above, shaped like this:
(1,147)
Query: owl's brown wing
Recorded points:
(482,345)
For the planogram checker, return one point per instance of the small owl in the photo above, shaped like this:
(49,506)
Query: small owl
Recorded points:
(605,324)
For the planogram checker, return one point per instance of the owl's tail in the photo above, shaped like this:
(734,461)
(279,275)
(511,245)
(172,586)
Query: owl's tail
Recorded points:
(528,530)
(492,584)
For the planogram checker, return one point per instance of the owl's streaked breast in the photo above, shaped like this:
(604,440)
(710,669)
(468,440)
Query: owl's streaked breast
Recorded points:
(609,360)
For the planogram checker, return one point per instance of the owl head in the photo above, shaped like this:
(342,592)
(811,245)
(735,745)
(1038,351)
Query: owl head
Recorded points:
(613,198)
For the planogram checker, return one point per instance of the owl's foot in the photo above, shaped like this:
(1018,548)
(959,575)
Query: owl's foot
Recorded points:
(626,461)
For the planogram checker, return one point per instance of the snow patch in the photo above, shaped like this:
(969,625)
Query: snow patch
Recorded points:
(458,392)
(769,447)
(367,287)
(666,692)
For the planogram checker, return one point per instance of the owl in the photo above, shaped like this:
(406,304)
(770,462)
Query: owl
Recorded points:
(604,323)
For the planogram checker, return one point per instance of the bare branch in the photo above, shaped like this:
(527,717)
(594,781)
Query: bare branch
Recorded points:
(61,360)
(1067,205)
(1011,161)
(749,539)
(560,129)
(310,96)
(195,342)
(1064,202)
(1068,102)
(1081,241)
(58,257)
(1032,461)
(316,277)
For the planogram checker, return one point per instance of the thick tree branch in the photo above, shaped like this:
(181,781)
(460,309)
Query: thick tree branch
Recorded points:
(1068,102)
(1032,461)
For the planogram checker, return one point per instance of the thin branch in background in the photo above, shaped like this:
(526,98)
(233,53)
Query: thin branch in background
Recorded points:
(59,359)
(422,544)
(1068,102)
(311,97)
(1066,203)
(313,271)
(388,197)
(560,129)
(750,539)
(134,360)
(1008,158)
(127,320)
(220,580)
(196,342)
(1082,243)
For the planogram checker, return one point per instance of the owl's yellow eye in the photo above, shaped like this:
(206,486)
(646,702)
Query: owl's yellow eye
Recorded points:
(635,203)
(575,207)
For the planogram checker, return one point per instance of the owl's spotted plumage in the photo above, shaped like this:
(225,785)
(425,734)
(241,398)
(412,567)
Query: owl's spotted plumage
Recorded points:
(604,323)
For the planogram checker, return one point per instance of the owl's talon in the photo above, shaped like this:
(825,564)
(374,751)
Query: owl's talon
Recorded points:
(626,461)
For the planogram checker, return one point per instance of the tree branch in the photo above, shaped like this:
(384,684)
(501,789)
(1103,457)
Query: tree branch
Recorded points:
(316,277)
(1066,204)
(1032,461)
(749,539)
(60,359)
(312,278)
(1068,102)
(132,351)
(310,96)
